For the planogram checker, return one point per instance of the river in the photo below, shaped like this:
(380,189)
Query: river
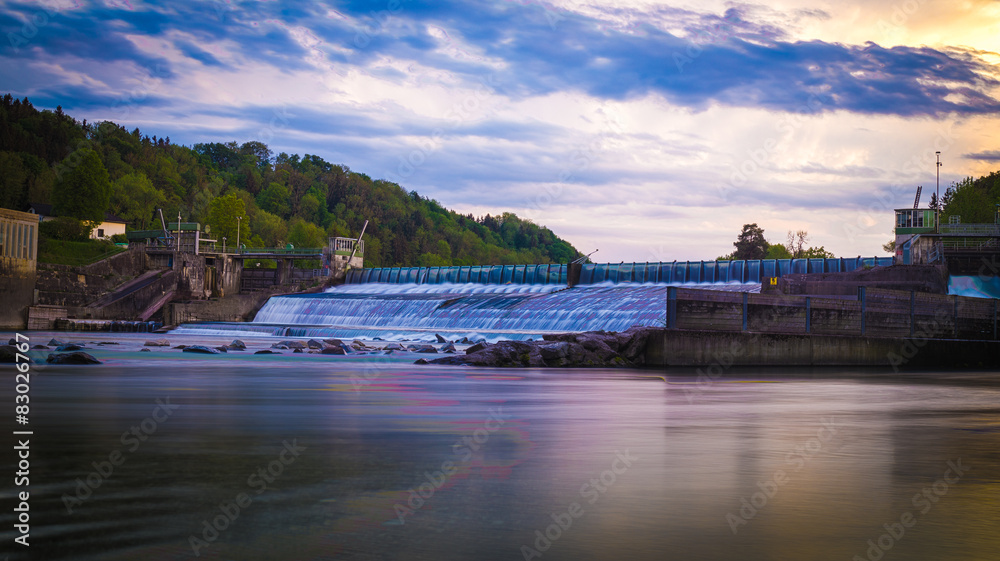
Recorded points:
(168,455)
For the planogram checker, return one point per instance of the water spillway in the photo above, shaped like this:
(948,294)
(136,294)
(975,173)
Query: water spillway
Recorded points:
(675,272)
(507,301)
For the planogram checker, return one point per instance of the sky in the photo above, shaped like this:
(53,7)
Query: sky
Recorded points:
(650,131)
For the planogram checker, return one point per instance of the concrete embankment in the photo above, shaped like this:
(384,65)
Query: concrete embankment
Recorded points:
(724,349)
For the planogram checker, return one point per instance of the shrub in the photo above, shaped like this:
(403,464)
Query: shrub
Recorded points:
(65,228)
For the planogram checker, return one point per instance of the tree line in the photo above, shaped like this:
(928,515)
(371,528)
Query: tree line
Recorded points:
(86,169)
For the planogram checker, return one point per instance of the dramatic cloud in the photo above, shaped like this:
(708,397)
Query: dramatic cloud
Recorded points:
(642,128)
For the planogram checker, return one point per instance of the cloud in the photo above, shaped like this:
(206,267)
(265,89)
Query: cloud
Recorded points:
(986,156)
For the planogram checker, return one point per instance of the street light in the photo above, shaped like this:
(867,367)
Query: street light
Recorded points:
(223,244)
(238,220)
(937,215)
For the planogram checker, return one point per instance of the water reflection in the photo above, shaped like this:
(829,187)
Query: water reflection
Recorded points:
(481,464)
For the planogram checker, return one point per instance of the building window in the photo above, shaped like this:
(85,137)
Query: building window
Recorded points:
(100,232)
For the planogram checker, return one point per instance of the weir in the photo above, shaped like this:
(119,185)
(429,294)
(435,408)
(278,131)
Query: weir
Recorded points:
(676,272)
(515,301)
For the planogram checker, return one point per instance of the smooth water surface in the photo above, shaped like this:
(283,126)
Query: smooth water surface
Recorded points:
(655,465)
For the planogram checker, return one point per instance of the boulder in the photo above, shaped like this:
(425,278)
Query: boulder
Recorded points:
(464,341)
(107,343)
(71,358)
(289,345)
(335,342)
(477,347)
(145,350)
(157,343)
(421,361)
(222,349)
(8,353)
(440,339)
(333,350)
(55,343)
(430,349)
(297,351)
(448,347)
(394,347)
(12,341)
(237,345)
(267,352)
(40,347)
(202,349)
(69,347)
(314,344)
(596,348)
(182,347)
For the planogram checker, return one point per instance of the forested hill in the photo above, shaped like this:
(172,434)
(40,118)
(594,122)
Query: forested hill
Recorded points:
(49,157)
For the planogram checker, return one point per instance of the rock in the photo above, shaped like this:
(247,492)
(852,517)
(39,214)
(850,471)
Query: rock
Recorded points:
(69,347)
(333,350)
(157,343)
(289,345)
(430,349)
(595,348)
(71,358)
(377,339)
(394,347)
(448,347)
(40,347)
(145,350)
(237,345)
(267,352)
(8,353)
(182,347)
(55,343)
(440,339)
(334,342)
(107,343)
(477,347)
(202,349)
(314,344)
(554,351)
(464,341)
(12,341)
(297,351)
(222,349)
(421,361)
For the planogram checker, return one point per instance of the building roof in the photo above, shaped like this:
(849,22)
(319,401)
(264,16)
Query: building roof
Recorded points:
(43,209)
(40,209)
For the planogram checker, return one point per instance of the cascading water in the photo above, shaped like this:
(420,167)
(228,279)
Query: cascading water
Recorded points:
(505,302)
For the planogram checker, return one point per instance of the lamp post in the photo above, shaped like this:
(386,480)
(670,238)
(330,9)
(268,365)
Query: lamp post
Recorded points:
(223,244)
(238,220)
(937,211)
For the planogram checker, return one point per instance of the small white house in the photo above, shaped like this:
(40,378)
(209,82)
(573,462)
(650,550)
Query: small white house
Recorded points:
(112,224)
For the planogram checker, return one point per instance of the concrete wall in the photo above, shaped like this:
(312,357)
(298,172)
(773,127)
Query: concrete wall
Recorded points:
(63,285)
(18,255)
(720,350)
(239,307)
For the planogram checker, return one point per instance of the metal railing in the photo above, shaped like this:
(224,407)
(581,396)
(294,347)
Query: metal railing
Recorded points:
(971,229)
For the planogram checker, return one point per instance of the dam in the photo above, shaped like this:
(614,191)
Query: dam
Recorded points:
(510,301)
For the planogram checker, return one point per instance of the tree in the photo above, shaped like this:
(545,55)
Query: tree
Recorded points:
(889,247)
(83,190)
(777,251)
(817,253)
(135,199)
(934,202)
(750,244)
(970,202)
(306,234)
(274,199)
(226,215)
(796,242)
